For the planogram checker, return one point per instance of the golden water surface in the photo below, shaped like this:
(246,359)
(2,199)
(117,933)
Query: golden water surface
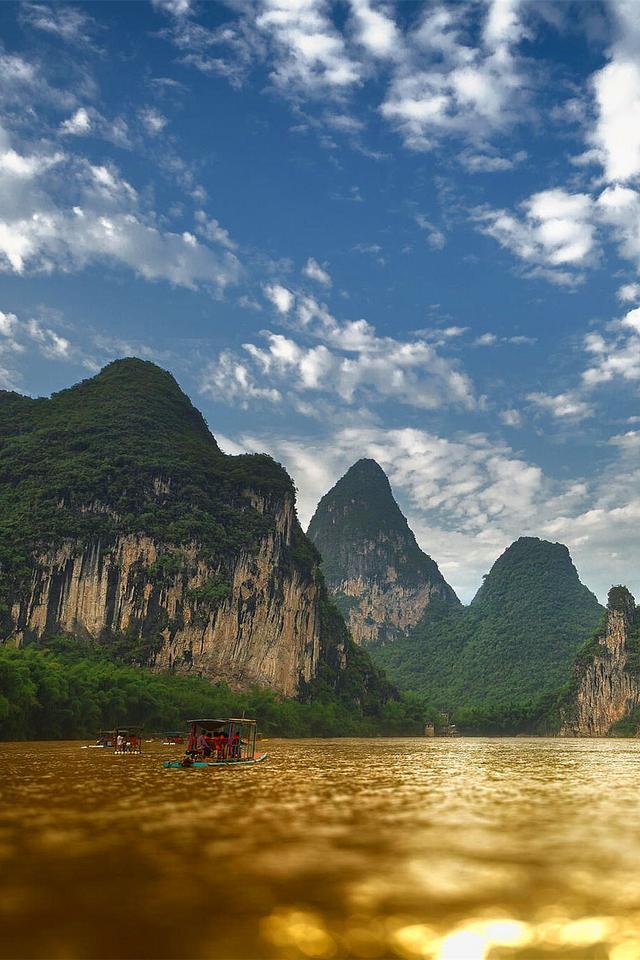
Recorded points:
(468,849)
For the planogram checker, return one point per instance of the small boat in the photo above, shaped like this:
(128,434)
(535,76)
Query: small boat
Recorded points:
(104,741)
(230,742)
(173,738)
(121,740)
(187,764)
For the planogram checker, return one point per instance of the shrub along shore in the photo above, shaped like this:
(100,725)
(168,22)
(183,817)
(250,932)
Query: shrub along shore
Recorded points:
(64,689)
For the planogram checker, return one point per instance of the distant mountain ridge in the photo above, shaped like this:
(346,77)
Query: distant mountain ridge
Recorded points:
(517,639)
(377,574)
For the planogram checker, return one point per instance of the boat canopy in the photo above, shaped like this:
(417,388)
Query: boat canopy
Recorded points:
(240,734)
(215,723)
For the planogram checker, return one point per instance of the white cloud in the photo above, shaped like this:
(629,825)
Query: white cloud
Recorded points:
(23,83)
(617,357)
(629,442)
(69,23)
(629,292)
(16,336)
(9,379)
(314,271)
(92,214)
(616,134)
(619,208)
(448,86)
(153,121)
(556,235)
(8,323)
(491,339)
(308,54)
(565,406)
(52,344)
(456,71)
(78,124)
(485,340)
(490,162)
(214,231)
(375,29)
(232,380)
(280,297)
(348,362)
(435,237)
(174,8)
(511,417)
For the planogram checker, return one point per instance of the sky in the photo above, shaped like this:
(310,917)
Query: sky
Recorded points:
(407,231)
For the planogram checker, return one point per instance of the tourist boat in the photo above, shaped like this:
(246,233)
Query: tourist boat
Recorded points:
(104,741)
(130,740)
(127,739)
(231,742)
(172,738)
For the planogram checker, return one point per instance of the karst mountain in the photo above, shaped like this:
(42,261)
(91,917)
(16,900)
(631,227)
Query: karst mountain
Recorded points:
(377,574)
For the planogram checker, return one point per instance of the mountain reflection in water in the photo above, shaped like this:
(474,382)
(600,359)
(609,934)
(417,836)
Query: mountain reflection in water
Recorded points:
(443,849)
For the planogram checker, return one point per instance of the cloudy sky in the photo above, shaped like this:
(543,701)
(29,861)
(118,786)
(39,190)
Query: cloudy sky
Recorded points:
(405,231)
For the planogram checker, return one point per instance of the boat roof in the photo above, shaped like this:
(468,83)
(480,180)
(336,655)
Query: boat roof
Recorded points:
(223,720)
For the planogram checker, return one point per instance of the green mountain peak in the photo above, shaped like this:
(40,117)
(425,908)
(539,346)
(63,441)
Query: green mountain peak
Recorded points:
(516,641)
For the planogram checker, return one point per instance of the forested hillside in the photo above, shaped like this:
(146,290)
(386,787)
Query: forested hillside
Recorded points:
(511,647)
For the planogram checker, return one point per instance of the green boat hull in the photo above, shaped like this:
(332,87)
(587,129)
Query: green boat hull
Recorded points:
(200,764)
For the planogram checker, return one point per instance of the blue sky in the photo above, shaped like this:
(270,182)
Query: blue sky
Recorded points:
(408,231)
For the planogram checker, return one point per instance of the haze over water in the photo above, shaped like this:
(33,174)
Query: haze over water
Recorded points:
(466,849)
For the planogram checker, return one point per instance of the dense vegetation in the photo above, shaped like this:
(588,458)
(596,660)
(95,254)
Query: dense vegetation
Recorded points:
(500,661)
(66,689)
(115,442)
(361,508)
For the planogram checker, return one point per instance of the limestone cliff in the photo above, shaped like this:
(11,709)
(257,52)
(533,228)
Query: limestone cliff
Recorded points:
(378,575)
(121,521)
(262,628)
(607,685)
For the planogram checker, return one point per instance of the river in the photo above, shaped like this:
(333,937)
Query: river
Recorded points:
(466,849)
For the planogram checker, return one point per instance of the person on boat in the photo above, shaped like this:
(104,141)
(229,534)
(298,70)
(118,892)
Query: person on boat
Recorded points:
(235,746)
(133,743)
(119,743)
(192,742)
(204,749)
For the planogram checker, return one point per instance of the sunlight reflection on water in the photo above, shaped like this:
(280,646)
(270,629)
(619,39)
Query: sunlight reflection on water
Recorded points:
(436,849)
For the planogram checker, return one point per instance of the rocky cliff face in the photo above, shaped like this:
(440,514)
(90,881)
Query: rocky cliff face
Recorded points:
(121,521)
(608,682)
(262,627)
(377,574)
